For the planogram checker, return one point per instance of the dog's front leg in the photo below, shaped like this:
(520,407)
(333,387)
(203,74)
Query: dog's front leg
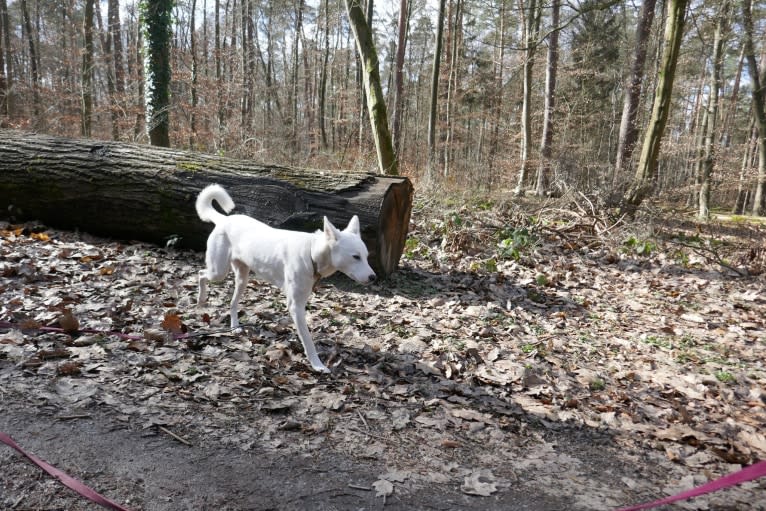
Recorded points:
(241,272)
(297,308)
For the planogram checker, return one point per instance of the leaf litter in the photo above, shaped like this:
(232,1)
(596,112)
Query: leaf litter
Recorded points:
(500,335)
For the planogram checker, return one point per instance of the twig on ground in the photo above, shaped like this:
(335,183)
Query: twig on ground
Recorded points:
(364,421)
(371,435)
(182,440)
(72,417)
(714,256)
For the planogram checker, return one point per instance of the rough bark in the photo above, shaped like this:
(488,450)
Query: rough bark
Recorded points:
(530,42)
(376,104)
(646,172)
(127,191)
(546,144)
(86,74)
(8,105)
(711,114)
(435,91)
(629,122)
(157,20)
(759,114)
(401,48)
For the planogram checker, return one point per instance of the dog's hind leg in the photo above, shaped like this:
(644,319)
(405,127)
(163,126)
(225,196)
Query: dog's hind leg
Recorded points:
(217,263)
(241,272)
(202,295)
(297,308)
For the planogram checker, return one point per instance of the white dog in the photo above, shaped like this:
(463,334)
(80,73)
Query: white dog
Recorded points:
(293,261)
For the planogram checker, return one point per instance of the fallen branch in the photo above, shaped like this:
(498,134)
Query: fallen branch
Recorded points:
(180,439)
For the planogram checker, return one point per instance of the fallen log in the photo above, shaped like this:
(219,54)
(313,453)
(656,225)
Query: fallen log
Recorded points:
(128,191)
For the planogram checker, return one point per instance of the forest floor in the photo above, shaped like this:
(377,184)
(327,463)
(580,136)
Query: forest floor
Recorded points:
(551,360)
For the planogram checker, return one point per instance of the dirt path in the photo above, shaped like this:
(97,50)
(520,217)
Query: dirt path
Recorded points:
(148,470)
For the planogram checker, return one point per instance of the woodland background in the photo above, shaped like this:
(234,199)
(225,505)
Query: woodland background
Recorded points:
(280,81)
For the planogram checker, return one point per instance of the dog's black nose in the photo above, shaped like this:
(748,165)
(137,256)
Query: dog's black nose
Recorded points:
(372,277)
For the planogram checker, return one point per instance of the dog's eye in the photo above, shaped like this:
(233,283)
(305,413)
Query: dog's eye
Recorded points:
(358,257)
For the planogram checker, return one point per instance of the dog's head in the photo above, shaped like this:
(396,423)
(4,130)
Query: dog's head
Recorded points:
(348,252)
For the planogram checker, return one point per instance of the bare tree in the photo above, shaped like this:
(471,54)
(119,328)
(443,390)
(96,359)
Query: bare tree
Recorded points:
(401,49)
(531,19)
(6,68)
(454,36)
(544,169)
(435,90)
(323,77)
(376,105)
(33,69)
(647,166)
(194,77)
(157,15)
(629,121)
(758,107)
(711,112)
(86,74)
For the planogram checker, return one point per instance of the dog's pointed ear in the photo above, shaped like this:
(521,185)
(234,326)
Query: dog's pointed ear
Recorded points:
(353,225)
(330,232)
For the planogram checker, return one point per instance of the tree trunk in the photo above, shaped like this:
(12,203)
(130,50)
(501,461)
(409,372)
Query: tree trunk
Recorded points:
(8,103)
(38,120)
(86,73)
(544,170)
(376,105)
(113,15)
(323,76)
(731,108)
(530,43)
(220,88)
(497,104)
(194,78)
(758,109)
(740,203)
(157,17)
(401,48)
(711,113)
(647,166)
(142,192)
(454,19)
(629,122)
(435,92)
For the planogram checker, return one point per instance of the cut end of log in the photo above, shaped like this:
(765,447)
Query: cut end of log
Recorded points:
(393,226)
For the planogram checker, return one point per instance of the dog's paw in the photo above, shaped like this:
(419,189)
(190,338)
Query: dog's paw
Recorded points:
(320,368)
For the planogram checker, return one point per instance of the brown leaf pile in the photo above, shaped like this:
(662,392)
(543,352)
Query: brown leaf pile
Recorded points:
(498,327)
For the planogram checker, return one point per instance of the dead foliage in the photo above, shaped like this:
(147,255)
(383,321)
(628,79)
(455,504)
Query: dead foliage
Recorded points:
(500,325)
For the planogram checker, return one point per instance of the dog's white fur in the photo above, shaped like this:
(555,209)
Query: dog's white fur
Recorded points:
(293,261)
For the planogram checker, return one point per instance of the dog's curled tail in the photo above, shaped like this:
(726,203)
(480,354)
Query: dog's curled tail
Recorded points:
(204,205)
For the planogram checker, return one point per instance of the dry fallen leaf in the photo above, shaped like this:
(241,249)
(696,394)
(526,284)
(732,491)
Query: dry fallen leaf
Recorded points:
(450,443)
(68,369)
(383,488)
(479,482)
(172,323)
(68,322)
